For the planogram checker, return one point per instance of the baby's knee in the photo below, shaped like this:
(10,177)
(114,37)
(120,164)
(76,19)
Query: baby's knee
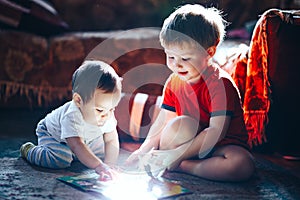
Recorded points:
(56,160)
(56,164)
(62,165)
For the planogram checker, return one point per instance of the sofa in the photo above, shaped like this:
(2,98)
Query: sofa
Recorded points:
(36,66)
(39,71)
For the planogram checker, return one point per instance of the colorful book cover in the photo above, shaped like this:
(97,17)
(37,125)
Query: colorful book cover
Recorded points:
(127,186)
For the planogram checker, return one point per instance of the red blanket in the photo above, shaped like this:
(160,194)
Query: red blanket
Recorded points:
(256,99)
(251,76)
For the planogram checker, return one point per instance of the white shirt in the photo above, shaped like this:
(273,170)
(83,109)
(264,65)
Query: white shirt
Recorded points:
(67,121)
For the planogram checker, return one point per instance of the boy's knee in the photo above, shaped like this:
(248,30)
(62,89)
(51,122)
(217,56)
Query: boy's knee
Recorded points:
(178,131)
(184,125)
(243,169)
(248,168)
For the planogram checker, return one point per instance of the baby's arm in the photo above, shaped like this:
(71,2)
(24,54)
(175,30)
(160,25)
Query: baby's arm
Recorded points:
(111,147)
(83,153)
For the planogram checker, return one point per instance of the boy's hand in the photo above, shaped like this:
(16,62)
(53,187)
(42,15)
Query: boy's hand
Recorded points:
(106,172)
(160,160)
(133,158)
(153,163)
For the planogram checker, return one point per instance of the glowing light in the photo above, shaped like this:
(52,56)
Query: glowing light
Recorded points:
(157,191)
(129,186)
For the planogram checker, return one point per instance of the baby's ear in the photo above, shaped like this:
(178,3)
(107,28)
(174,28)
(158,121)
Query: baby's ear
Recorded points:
(211,51)
(77,99)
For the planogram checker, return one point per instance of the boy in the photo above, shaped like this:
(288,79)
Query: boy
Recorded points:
(200,129)
(84,128)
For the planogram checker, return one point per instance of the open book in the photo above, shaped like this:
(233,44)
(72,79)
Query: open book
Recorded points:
(127,186)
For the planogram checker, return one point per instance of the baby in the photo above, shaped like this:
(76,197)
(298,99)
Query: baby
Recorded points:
(83,128)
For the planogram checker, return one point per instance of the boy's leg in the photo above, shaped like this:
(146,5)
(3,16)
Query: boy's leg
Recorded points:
(178,131)
(175,139)
(49,152)
(228,163)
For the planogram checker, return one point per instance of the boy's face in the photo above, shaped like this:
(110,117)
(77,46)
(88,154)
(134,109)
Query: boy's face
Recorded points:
(186,61)
(101,107)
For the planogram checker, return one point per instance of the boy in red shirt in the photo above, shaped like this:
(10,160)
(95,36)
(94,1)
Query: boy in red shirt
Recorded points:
(200,129)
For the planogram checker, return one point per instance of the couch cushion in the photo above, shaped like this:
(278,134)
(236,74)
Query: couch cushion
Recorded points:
(36,16)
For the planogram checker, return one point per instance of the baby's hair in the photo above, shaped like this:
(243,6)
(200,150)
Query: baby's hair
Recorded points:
(92,75)
(193,24)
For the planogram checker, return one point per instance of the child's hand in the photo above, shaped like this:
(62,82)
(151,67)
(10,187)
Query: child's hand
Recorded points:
(172,158)
(160,160)
(133,158)
(106,172)
(155,162)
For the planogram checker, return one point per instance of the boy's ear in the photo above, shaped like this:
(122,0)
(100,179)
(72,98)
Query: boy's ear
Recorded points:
(77,99)
(211,51)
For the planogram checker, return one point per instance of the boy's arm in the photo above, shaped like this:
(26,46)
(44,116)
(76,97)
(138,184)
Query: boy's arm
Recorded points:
(83,153)
(154,134)
(111,147)
(153,138)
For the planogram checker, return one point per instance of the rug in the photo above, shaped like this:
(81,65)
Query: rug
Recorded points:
(19,180)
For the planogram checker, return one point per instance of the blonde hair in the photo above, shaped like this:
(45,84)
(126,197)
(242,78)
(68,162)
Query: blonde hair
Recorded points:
(192,23)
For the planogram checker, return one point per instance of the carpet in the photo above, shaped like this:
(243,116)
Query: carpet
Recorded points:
(19,180)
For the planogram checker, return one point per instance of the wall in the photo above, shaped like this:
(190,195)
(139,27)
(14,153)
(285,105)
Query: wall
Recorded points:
(125,14)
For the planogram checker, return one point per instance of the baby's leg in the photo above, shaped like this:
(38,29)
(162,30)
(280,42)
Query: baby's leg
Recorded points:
(49,152)
(228,163)
(178,131)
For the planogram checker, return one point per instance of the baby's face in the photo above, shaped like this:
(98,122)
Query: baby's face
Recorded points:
(101,107)
(187,61)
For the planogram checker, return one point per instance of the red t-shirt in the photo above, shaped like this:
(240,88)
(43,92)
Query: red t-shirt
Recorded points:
(214,94)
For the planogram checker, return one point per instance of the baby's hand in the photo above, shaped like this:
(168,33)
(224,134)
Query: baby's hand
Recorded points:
(106,172)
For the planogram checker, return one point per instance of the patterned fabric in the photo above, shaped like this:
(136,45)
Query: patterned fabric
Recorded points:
(36,71)
(257,86)
(256,100)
